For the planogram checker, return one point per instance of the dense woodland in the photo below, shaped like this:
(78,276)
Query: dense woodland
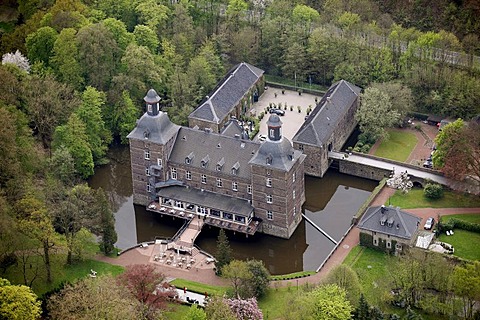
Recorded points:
(74,73)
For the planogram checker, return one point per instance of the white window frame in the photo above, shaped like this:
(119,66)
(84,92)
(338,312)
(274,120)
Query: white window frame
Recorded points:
(147,171)
(272,133)
(293,194)
(159,161)
(146,154)
(294,211)
(269,198)
(173,173)
(149,107)
(249,188)
(389,244)
(188,175)
(269,215)
(204,179)
(219,183)
(187,161)
(294,177)
(234,185)
(268,182)
(149,187)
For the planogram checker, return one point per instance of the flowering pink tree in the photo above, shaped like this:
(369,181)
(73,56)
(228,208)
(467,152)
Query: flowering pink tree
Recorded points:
(245,309)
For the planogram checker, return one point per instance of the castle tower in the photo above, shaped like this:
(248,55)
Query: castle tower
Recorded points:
(278,182)
(150,144)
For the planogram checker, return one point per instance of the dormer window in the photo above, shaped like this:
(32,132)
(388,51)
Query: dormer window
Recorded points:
(390,222)
(269,159)
(383,220)
(220,164)
(189,158)
(205,161)
(146,134)
(235,168)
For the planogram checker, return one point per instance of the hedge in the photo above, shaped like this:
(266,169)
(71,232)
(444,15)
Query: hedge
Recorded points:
(453,223)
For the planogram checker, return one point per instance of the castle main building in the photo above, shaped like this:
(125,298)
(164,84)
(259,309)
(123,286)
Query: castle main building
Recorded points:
(225,180)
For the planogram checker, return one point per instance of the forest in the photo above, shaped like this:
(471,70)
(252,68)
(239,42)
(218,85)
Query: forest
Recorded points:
(74,74)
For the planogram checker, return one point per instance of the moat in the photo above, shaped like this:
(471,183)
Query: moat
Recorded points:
(330,203)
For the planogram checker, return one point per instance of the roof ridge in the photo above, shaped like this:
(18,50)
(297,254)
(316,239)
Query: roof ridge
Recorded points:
(249,68)
(215,117)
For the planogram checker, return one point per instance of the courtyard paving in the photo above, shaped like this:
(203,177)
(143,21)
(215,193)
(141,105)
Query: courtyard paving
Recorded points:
(292,120)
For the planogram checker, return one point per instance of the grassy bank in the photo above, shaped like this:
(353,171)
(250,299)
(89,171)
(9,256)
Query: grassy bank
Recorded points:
(416,199)
(398,147)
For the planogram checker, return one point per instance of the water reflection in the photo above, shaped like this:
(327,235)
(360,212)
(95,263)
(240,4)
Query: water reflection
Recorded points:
(330,202)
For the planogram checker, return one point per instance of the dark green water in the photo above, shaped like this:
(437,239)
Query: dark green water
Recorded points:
(330,203)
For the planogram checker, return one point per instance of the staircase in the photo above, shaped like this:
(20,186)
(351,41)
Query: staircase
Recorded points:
(189,234)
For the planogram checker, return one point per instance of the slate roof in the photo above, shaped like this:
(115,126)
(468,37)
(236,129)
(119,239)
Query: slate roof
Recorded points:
(282,154)
(159,128)
(214,147)
(207,199)
(323,120)
(233,128)
(228,93)
(403,224)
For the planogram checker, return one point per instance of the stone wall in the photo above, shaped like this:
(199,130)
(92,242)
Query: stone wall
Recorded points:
(362,170)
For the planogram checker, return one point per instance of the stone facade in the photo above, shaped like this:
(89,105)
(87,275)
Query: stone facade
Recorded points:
(268,176)
(328,127)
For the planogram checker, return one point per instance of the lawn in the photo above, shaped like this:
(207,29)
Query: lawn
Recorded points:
(398,147)
(462,241)
(60,272)
(469,217)
(199,287)
(371,267)
(416,199)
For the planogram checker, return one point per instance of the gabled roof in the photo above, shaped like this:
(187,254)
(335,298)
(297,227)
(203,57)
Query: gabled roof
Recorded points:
(214,147)
(329,111)
(234,129)
(395,222)
(228,93)
(158,128)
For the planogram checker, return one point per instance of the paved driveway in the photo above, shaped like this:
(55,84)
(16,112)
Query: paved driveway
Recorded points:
(292,120)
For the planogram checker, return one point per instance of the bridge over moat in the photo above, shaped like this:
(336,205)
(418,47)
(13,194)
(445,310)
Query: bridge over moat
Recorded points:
(374,168)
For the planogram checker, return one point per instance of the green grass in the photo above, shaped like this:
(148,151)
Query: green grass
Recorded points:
(60,272)
(199,287)
(273,303)
(398,147)
(371,267)
(468,217)
(416,199)
(176,311)
(462,241)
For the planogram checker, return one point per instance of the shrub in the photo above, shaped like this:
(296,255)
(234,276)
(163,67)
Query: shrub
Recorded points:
(433,191)
(365,148)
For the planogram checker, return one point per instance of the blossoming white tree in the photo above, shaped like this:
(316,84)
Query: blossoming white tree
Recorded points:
(17,59)
(400,181)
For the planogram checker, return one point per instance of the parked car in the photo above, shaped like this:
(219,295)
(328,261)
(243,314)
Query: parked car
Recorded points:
(277,112)
(428,164)
(429,223)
